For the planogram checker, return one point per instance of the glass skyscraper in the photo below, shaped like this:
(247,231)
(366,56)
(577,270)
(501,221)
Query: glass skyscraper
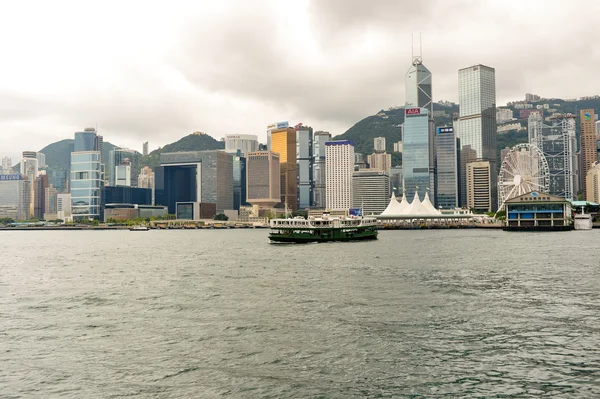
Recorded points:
(477,122)
(87,180)
(319,189)
(416,155)
(87,176)
(239,181)
(124,156)
(304,160)
(418,96)
(447,168)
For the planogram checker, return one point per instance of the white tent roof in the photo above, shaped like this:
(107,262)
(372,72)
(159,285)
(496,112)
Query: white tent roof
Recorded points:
(415,207)
(393,208)
(428,206)
(403,204)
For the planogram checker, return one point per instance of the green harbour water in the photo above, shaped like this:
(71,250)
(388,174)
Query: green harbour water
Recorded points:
(224,313)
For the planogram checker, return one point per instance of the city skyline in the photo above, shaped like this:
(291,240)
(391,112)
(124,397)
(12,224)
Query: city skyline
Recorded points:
(140,81)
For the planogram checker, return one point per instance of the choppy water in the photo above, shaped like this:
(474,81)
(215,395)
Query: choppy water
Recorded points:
(178,314)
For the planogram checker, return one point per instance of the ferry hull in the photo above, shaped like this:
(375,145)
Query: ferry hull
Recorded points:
(308,238)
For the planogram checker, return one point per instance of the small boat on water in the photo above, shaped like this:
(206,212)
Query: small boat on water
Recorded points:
(322,229)
(583,221)
(139,228)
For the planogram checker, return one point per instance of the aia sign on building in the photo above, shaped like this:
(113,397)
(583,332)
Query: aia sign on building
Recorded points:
(413,111)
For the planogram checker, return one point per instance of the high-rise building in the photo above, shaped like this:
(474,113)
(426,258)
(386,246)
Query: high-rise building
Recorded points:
(319,186)
(270,128)
(477,122)
(41,183)
(195,176)
(478,186)
(126,162)
(146,180)
(304,161)
(419,175)
(396,180)
(592,182)
(7,168)
(239,182)
(15,193)
(145,149)
(87,180)
(263,178)
(360,161)
(370,191)
(556,139)
(283,142)
(588,144)
(41,157)
(379,144)
(63,207)
(244,143)
(380,161)
(87,176)
(339,165)
(30,168)
(447,168)
(419,149)
(398,146)
(60,180)
(51,203)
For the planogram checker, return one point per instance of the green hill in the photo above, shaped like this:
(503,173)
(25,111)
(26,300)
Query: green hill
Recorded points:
(192,142)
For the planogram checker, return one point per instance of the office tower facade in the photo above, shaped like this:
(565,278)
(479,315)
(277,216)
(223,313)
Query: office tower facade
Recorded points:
(195,176)
(270,128)
(87,180)
(419,175)
(360,161)
(396,181)
(592,183)
(87,176)
(60,180)
(63,207)
(304,161)
(30,168)
(146,180)
(339,167)
(556,139)
(380,161)
(145,149)
(447,168)
(15,196)
(379,144)
(41,157)
(319,173)
(126,163)
(283,142)
(51,203)
(477,122)
(41,183)
(7,168)
(479,180)
(239,182)
(370,191)
(263,179)
(244,143)
(588,144)
(419,105)
(126,195)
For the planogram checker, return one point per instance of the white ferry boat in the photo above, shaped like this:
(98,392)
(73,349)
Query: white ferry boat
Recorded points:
(583,221)
(325,228)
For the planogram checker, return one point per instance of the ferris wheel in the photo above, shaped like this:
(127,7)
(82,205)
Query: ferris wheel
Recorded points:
(524,169)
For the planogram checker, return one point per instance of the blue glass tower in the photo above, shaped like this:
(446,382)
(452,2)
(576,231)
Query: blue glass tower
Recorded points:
(416,154)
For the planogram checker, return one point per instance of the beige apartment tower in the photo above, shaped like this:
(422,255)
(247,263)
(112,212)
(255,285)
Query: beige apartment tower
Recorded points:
(283,142)
(263,178)
(478,176)
(588,146)
(592,183)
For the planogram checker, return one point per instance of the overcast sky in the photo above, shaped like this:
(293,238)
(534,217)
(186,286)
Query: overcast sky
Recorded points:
(156,70)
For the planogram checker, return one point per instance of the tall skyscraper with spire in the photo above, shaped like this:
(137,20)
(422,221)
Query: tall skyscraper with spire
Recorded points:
(418,139)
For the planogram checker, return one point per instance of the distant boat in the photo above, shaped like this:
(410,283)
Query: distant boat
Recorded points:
(139,228)
(583,221)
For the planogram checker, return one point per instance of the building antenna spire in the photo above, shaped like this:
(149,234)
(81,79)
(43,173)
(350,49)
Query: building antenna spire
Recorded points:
(412,46)
(420,46)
